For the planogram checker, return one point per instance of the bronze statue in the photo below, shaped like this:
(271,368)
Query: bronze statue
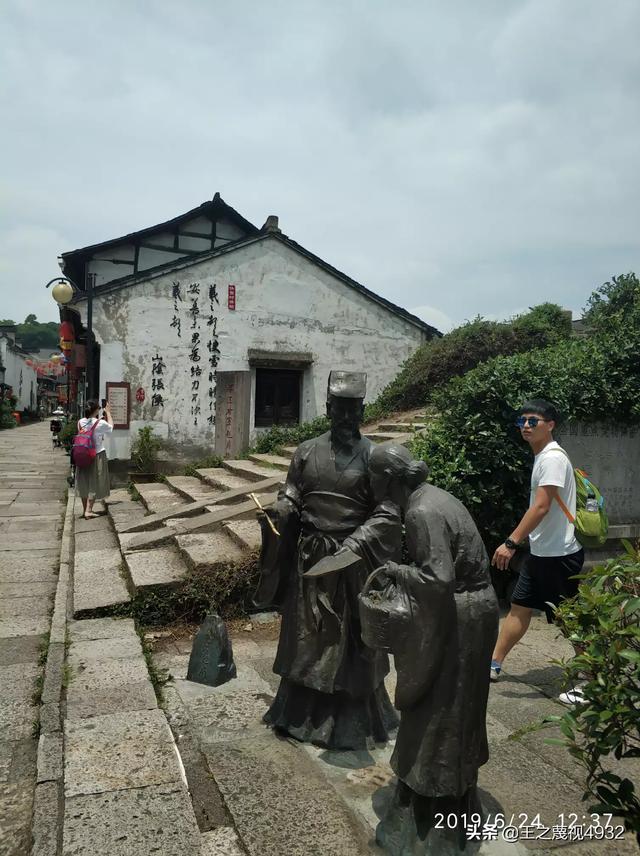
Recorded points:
(443,623)
(332,690)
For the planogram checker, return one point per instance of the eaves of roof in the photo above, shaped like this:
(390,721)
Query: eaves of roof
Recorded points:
(159,270)
(216,204)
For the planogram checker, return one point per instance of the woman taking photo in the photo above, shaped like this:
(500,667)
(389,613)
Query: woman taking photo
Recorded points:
(92,482)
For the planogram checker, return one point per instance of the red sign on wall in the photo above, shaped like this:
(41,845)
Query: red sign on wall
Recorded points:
(140,394)
(231,297)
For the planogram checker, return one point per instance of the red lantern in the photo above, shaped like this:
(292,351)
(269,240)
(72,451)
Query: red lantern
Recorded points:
(66,336)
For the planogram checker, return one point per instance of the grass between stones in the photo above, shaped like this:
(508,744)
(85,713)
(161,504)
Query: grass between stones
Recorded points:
(225,589)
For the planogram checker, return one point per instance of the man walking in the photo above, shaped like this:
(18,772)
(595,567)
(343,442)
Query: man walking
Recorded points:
(556,555)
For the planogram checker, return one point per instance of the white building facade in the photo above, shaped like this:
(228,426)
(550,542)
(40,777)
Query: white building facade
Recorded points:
(21,377)
(235,337)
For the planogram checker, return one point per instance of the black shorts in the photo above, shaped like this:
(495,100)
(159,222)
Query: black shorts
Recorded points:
(547,579)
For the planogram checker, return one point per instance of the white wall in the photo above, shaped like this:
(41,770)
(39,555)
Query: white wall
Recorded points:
(20,376)
(284,303)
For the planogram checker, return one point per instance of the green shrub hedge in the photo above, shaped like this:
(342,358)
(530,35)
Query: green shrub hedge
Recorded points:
(439,360)
(474,449)
(603,620)
(276,438)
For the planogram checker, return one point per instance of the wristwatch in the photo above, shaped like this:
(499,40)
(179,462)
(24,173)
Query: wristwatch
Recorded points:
(510,544)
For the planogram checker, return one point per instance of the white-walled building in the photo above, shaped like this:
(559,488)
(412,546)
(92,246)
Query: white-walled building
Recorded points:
(216,329)
(21,377)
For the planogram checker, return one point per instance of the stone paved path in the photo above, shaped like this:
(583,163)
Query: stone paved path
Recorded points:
(32,481)
(287,798)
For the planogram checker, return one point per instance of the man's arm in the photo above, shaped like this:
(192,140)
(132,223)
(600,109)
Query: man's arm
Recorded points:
(532,518)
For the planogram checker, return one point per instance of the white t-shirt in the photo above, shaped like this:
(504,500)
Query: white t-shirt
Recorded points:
(554,535)
(99,432)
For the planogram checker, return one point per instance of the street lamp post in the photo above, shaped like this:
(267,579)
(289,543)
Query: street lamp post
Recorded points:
(63,292)
(90,281)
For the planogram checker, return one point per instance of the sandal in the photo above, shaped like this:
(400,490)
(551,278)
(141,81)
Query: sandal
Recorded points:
(89,516)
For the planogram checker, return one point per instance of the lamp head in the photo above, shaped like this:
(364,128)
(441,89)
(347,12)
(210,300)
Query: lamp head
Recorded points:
(62,291)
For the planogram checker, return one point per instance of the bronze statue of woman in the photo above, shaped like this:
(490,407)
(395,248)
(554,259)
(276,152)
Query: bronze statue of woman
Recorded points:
(442,657)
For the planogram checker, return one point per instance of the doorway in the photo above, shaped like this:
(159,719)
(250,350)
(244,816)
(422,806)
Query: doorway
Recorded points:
(277,397)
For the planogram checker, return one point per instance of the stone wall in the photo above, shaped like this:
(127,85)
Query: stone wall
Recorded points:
(610,455)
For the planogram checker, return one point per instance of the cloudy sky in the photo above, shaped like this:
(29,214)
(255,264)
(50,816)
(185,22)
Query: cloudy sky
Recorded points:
(459,158)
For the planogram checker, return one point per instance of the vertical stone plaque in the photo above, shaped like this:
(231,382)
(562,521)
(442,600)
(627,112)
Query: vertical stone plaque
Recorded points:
(233,412)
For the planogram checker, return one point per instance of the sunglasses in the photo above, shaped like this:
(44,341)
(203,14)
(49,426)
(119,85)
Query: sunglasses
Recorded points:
(521,421)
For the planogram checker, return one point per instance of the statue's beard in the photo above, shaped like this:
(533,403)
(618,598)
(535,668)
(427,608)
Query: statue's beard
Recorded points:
(345,435)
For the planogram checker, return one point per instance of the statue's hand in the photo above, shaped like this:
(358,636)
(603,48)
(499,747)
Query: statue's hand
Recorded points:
(391,570)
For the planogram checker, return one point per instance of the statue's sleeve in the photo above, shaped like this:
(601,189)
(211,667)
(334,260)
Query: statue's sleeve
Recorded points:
(278,555)
(379,539)
(430,585)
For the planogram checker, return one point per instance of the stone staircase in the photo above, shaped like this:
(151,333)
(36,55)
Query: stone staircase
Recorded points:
(196,522)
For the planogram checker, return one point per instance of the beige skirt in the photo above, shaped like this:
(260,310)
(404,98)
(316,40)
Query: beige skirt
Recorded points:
(93,481)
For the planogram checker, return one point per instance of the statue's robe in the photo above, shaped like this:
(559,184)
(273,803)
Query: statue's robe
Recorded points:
(442,663)
(332,686)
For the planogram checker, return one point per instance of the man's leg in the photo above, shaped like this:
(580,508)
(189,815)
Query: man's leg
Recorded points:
(513,629)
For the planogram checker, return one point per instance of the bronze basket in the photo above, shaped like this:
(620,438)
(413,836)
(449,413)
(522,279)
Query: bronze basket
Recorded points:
(384,613)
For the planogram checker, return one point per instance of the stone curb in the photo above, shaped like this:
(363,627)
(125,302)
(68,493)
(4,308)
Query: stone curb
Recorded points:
(46,825)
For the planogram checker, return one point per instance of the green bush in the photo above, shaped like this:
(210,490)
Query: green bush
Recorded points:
(7,420)
(439,360)
(276,438)
(67,434)
(144,452)
(603,621)
(228,591)
(473,448)
(615,302)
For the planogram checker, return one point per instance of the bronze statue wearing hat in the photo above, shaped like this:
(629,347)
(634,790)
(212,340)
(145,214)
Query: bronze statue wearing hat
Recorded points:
(332,689)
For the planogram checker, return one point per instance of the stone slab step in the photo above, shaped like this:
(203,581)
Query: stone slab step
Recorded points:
(97,581)
(224,498)
(221,478)
(289,450)
(248,470)
(209,551)
(213,519)
(402,427)
(192,488)
(380,438)
(160,567)
(246,533)
(272,460)
(159,497)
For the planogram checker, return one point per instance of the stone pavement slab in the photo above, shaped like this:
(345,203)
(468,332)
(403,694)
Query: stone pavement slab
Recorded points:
(16,718)
(98,687)
(119,751)
(22,607)
(157,820)
(45,590)
(114,648)
(101,628)
(280,802)
(23,626)
(16,801)
(94,524)
(100,539)
(20,649)
(162,566)
(27,509)
(222,841)
(97,581)
(17,681)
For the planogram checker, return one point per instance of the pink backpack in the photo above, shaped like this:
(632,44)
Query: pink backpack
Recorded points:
(83,449)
